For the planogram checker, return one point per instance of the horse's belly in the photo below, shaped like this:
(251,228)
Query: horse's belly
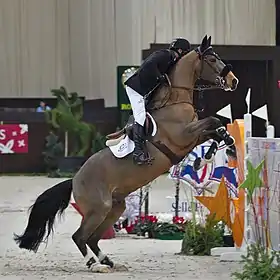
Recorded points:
(128,177)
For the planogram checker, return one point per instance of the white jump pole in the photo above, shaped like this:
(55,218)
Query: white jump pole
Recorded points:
(270,131)
(247,134)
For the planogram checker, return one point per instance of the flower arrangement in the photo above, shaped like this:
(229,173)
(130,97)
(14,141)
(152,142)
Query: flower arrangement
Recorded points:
(162,226)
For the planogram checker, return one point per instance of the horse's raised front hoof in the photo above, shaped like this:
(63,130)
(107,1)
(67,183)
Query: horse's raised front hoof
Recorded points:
(101,268)
(120,267)
(208,158)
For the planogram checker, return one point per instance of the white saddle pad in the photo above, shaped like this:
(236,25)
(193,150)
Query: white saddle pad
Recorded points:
(126,145)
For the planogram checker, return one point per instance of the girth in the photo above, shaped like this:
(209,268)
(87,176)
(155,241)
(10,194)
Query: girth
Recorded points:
(174,159)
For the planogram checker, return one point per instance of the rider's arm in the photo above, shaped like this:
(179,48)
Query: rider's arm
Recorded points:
(159,64)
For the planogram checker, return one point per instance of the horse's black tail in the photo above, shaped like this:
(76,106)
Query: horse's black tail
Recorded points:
(43,212)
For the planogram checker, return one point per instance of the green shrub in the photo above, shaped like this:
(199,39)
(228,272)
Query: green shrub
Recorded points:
(259,264)
(200,239)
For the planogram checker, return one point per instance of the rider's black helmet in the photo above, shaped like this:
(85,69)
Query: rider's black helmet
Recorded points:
(180,43)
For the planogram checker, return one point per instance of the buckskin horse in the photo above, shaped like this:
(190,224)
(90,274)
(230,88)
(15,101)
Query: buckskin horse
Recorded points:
(100,186)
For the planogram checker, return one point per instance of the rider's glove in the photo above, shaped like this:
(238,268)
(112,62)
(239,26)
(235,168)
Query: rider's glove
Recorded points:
(162,79)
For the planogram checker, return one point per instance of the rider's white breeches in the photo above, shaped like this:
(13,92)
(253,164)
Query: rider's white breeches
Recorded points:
(137,105)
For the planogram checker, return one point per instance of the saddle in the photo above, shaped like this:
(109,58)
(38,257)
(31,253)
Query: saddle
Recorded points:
(116,137)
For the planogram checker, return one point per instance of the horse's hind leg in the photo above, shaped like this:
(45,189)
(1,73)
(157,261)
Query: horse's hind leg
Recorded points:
(117,209)
(95,211)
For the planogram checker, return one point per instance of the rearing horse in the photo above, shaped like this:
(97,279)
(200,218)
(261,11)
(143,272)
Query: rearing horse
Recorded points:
(102,183)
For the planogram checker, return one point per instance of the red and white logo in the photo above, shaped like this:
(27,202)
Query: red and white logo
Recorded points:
(13,138)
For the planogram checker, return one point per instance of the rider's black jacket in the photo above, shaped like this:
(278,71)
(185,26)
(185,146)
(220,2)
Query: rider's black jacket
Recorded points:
(154,66)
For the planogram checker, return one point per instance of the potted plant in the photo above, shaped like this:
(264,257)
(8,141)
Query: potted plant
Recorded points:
(66,120)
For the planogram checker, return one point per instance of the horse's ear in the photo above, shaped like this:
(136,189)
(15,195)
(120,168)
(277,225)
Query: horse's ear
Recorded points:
(204,44)
(209,41)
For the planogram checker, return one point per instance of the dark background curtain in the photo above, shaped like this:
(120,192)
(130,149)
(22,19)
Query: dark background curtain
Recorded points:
(277,10)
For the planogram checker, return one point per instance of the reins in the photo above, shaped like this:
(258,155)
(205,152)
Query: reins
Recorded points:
(166,98)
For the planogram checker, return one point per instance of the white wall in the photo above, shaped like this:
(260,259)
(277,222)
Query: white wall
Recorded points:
(45,44)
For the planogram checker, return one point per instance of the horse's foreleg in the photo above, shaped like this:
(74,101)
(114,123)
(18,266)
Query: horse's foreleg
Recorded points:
(208,157)
(206,129)
(229,141)
(117,209)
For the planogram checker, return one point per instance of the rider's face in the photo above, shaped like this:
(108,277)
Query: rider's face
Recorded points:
(179,51)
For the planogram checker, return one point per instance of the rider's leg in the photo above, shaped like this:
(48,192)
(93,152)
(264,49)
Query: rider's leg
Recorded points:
(139,112)
(137,105)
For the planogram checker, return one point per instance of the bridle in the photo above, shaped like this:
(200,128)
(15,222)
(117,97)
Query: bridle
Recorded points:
(220,75)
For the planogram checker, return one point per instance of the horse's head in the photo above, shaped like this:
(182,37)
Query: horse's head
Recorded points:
(211,68)
(201,63)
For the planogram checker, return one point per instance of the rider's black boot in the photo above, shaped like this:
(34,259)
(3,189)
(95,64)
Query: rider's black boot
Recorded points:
(140,155)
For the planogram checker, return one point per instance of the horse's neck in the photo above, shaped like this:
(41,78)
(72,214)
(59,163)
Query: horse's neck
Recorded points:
(183,74)
(182,78)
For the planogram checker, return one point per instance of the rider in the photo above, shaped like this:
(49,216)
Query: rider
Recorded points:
(151,73)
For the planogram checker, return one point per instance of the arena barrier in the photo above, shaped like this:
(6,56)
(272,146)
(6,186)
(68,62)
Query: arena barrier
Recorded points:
(266,199)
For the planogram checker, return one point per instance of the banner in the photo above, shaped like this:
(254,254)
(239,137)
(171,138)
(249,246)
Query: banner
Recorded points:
(13,138)
(123,73)
(211,172)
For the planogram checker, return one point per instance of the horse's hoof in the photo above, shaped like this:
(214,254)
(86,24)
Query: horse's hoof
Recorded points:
(101,268)
(120,267)
(209,160)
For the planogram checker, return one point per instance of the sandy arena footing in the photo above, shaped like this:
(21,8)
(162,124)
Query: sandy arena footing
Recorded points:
(146,259)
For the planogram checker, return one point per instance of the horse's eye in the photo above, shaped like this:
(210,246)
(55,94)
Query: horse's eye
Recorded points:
(212,59)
